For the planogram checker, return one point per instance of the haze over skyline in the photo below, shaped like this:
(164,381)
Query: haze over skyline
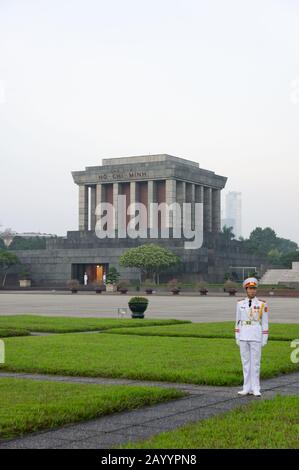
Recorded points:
(215,82)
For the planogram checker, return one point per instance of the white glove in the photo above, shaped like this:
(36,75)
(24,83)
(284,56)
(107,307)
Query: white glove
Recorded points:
(264,341)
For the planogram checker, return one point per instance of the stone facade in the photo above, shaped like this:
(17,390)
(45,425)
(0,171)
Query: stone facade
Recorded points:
(147,179)
(53,266)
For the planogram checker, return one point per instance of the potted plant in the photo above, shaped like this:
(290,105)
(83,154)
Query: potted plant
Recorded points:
(203,288)
(73,285)
(231,287)
(99,288)
(111,279)
(149,286)
(174,286)
(25,280)
(138,306)
(123,286)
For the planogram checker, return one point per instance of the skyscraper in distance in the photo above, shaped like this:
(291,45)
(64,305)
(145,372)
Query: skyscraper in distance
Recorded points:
(233,212)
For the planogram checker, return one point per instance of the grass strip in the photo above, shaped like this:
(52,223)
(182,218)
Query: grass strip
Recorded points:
(7,332)
(270,424)
(29,405)
(278,331)
(187,360)
(50,324)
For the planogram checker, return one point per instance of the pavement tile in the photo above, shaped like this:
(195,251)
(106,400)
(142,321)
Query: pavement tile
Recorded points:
(168,424)
(287,391)
(72,433)
(100,441)
(32,442)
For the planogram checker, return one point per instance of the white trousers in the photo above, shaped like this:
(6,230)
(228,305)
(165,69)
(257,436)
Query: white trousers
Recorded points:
(251,352)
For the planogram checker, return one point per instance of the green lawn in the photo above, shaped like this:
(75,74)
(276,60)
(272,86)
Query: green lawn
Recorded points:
(6,332)
(270,424)
(175,328)
(278,331)
(29,405)
(46,324)
(189,360)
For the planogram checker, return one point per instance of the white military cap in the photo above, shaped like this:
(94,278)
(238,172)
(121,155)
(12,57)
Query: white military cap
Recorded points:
(250,282)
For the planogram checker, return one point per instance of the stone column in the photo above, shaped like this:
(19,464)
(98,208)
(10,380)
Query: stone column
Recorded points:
(100,197)
(115,205)
(192,200)
(92,207)
(83,207)
(216,210)
(170,196)
(199,197)
(133,195)
(181,197)
(181,191)
(150,199)
(207,209)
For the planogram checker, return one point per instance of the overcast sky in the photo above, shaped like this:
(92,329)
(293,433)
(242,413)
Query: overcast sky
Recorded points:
(213,81)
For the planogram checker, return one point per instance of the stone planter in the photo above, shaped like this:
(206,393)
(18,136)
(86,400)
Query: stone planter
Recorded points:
(203,291)
(25,283)
(175,291)
(138,310)
(123,291)
(111,287)
(149,291)
(232,292)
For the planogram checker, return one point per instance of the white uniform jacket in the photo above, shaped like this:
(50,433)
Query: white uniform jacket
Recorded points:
(252,322)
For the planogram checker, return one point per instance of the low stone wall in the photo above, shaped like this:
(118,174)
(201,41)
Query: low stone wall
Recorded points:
(278,293)
(53,265)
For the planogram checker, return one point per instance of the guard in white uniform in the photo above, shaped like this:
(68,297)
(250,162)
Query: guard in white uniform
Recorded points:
(251,332)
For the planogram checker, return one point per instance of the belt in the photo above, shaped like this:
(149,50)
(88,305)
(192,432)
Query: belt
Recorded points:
(250,322)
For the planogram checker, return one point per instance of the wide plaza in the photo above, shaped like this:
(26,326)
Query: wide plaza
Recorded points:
(212,308)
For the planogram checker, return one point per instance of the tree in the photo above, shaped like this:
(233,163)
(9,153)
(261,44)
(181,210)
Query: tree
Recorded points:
(262,240)
(265,242)
(287,259)
(7,260)
(30,243)
(286,246)
(112,276)
(274,256)
(151,259)
(228,233)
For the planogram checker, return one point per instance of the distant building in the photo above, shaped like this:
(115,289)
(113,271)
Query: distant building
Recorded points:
(8,235)
(34,234)
(233,213)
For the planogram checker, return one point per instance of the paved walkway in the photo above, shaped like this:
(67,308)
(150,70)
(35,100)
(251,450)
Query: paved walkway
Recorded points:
(182,307)
(119,428)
